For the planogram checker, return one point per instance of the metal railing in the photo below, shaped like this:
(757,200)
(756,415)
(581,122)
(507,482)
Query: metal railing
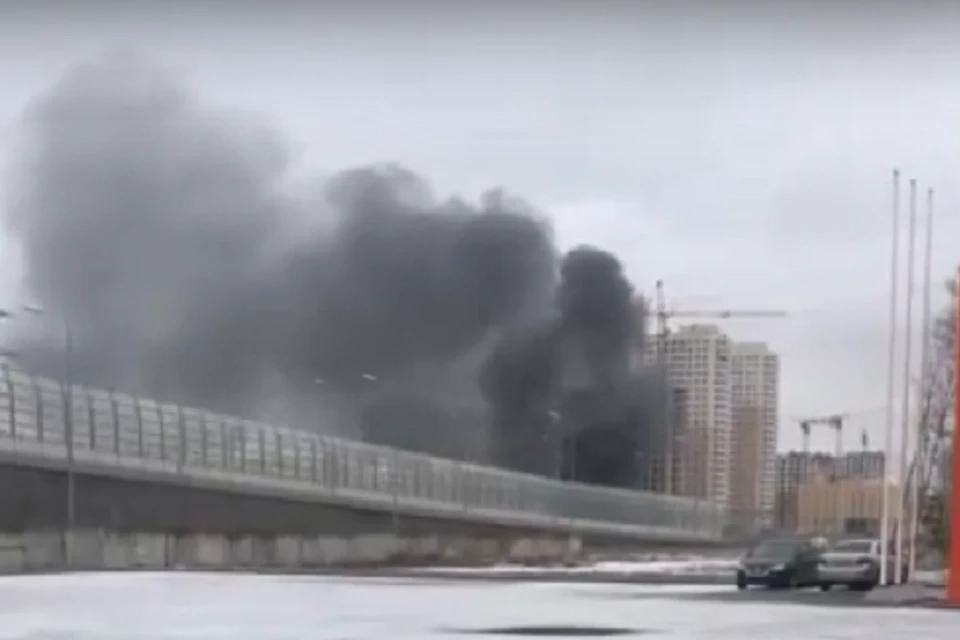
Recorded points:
(114,428)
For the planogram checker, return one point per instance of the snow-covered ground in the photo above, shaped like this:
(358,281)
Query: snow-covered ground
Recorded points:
(672,566)
(236,607)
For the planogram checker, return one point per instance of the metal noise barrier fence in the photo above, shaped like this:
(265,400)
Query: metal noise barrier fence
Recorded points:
(115,430)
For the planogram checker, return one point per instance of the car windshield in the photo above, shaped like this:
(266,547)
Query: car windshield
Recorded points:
(774,549)
(853,546)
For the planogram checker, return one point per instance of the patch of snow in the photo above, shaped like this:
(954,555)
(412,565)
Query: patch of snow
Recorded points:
(696,566)
(931,577)
(703,566)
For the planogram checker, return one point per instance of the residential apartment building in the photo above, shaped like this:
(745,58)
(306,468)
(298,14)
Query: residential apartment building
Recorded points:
(667,460)
(755,377)
(698,363)
(860,464)
(680,460)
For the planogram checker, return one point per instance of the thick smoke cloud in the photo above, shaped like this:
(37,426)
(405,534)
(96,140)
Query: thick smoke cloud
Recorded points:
(165,234)
(568,398)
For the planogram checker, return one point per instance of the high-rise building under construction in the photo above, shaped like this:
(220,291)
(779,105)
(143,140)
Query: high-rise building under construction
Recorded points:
(724,410)
(697,362)
(756,399)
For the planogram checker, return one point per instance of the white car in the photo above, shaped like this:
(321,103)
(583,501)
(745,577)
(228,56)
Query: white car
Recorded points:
(854,563)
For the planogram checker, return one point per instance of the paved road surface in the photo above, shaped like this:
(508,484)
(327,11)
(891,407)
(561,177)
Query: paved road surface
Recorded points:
(234,607)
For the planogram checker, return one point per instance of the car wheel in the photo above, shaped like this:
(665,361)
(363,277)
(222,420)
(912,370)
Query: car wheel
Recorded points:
(741,585)
(824,586)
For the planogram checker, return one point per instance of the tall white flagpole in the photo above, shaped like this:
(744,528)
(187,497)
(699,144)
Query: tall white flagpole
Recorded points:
(891,366)
(923,406)
(905,417)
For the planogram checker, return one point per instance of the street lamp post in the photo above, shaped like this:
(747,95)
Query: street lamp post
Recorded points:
(394,463)
(394,474)
(68,435)
(5,315)
(556,439)
(67,400)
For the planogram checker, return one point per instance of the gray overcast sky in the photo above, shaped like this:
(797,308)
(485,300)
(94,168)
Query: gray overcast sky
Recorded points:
(741,151)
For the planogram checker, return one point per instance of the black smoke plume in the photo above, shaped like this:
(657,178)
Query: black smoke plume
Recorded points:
(568,397)
(168,237)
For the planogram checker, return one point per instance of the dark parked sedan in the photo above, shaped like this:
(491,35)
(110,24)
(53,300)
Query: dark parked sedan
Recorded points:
(780,564)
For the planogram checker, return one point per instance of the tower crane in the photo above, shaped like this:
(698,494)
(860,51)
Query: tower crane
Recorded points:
(663,315)
(834,421)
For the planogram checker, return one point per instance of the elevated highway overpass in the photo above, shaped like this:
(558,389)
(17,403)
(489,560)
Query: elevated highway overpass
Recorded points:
(89,474)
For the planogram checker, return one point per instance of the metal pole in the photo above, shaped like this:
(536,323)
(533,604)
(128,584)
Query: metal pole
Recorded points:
(395,502)
(905,414)
(556,445)
(68,436)
(574,443)
(838,524)
(924,391)
(394,458)
(67,388)
(891,365)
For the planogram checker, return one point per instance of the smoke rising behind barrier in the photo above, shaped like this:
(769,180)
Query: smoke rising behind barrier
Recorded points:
(163,232)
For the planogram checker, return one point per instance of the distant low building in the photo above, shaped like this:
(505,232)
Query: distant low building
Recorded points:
(794,469)
(851,506)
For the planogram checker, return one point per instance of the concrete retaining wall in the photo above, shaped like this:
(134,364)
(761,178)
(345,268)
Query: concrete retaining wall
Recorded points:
(38,551)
